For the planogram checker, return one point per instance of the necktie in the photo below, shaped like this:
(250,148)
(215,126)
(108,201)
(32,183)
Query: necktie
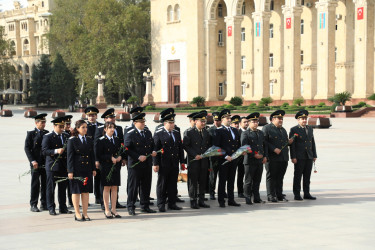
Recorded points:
(307,131)
(200,133)
(84,140)
(61,138)
(112,141)
(171,137)
(142,134)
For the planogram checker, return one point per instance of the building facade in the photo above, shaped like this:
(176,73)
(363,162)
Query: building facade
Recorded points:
(284,49)
(26,28)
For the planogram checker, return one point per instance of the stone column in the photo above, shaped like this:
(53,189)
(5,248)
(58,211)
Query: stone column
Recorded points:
(326,27)
(211,46)
(148,99)
(292,52)
(261,54)
(233,56)
(364,48)
(24,82)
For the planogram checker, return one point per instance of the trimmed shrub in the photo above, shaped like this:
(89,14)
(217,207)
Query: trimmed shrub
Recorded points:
(149,107)
(199,101)
(236,101)
(266,100)
(372,97)
(299,101)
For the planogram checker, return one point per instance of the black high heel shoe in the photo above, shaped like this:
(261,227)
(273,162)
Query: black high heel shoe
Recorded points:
(86,218)
(108,217)
(76,219)
(116,215)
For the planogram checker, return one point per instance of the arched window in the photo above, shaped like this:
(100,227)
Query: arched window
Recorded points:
(170,13)
(220,10)
(27,69)
(302,27)
(12,48)
(177,12)
(45,22)
(26,47)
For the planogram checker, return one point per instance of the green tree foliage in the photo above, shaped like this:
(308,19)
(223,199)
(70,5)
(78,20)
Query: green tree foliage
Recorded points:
(63,83)
(298,101)
(341,98)
(199,101)
(7,49)
(40,82)
(236,101)
(111,36)
(266,101)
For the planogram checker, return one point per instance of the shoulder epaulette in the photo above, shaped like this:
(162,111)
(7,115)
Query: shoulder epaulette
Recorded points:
(101,138)
(72,137)
(130,131)
(48,133)
(101,126)
(157,131)
(175,130)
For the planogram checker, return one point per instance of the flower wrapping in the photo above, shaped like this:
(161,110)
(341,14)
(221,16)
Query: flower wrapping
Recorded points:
(135,164)
(239,152)
(212,151)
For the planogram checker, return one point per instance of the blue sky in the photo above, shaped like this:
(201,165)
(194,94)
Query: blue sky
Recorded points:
(8,4)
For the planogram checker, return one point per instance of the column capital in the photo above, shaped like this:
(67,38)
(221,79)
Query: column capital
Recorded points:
(261,15)
(360,2)
(292,11)
(210,22)
(233,19)
(324,5)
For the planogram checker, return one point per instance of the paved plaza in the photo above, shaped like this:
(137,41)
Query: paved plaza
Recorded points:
(342,217)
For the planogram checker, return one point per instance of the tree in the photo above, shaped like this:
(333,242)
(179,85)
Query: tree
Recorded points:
(265,101)
(41,82)
(341,98)
(236,101)
(299,101)
(63,83)
(7,70)
(199,101)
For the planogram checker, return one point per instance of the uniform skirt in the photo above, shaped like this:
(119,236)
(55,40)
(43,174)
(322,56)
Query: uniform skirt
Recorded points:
(78,187)
(115,179)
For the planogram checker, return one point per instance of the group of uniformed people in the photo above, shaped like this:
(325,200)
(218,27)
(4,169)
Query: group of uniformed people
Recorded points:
(72,158)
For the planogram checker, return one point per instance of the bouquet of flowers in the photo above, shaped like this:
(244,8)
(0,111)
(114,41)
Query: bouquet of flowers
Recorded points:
(83,179)
(160,151)
(293,137)
(212,151)
(121,150)
(58,157)
(29,172)
(239,152)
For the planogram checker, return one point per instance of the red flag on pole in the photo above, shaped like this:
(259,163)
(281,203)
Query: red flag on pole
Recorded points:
(289,23)
(360,13)
(229,30)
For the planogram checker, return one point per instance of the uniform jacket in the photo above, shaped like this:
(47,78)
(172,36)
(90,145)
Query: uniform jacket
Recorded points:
(160,126)
(33,146)
(276,138)
(51,142)
(194,144)
(173,149)
(255,139)
(223,139)
(91,129)
(105,150)
(138,145)
(303,146)
(99,133)
(81,156)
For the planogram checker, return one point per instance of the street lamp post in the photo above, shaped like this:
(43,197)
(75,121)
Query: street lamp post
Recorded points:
(100,99)
(148,99)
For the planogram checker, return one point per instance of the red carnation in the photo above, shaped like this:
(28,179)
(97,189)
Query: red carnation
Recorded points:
(219,150)
(126,149)
(296,135)
(122,145)
(256,152)
(162,151)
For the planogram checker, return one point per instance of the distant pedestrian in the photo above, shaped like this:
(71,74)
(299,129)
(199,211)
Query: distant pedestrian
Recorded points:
(123,103)
(1,104)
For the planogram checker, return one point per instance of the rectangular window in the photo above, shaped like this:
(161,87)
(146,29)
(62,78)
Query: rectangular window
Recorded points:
(302,26)
(221,89)
(243,10)
(243,34)
(243,87)
(301,57)
(272,6)
(271,30)
(271,60)
(220,10)
(220,38)
(302,2)
(243,62)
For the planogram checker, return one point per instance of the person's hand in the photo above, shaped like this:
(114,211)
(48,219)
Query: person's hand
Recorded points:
(153,153)
(118,159)
(228,158)
(60,151)
(290,141)
(94,173)
(142,158)
(70,176)
(156,168)
(97,164)
(35,165)
(277,151)
(264,160)
(258,156)
(183,167)
(314,159)
(198,157)
(244,153)
(294,160)
(113,160)
(124,162)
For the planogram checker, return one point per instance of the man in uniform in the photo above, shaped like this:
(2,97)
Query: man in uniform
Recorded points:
(166,164)
(228,139)
(68,128)
(108,116)
(214,161)
(164,113)
(253,162)
(140,146)
(54,149)
(92,124)
(276,138)
(303,154)
(33,150)
(196,141)
(235,123)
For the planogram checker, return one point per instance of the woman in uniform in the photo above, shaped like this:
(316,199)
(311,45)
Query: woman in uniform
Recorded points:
(81,168)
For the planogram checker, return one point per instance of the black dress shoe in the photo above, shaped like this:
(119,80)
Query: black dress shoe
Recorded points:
(272,199)
(131,211)
(194,205)
(248,201)
(86,218)
(258,201)
(204,205)
(212,197)
(151,199)
(179,200)
(309,197)
(221,204)
(118,205)
(148,210)
(174,207)
(34,208)
(80,220)
(65,211)
(233,204)
(298,198)
(116,215)
(162,208)
(52,212)
(282,199)
(43,208)
(241,195)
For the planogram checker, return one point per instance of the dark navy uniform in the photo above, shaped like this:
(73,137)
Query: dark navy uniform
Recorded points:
(91,129)
(139,143)
(33,150)
(51,142)
(304,150)
(240,171)
(214,166)
(276,138)
(196,143)
(81,162)
(168,163)
(228,139)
